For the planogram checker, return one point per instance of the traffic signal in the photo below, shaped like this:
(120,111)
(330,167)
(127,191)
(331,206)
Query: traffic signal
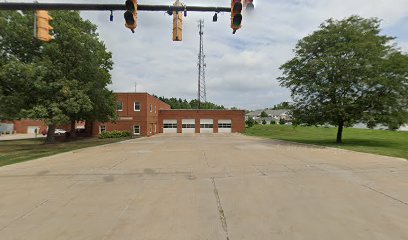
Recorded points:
(249,6)
(177,24)
(43,26)
(236,16)
(131,14)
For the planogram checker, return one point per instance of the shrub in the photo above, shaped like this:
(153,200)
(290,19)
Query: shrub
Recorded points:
(282,121)
(114,134)
(273,122)
(250,122)
(264,122)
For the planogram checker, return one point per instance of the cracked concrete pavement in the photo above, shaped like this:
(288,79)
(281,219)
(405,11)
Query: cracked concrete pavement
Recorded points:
(225,187)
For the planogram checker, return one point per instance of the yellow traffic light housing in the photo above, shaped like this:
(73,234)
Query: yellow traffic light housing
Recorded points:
(236,16)
(43,26)
(131,15)
(177,23)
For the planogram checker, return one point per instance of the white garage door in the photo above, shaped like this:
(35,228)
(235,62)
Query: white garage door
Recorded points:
(224,126)
(206,126)
(170,126)
(31,129)
(188,126)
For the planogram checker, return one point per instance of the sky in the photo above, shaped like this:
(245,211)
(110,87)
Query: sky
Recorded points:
(242,69)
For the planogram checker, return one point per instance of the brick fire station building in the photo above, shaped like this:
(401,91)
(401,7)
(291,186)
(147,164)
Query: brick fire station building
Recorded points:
(145,115)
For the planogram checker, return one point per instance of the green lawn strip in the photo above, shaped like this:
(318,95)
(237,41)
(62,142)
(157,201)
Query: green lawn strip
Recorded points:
(380,142)
(28,149)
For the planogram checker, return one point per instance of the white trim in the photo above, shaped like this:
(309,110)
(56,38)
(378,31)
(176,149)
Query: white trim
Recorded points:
(134,106)
(100,128)
(134,133)
(170,121)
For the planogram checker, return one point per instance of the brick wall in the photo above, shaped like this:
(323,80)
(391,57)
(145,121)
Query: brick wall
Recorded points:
(147,118)
(21,126)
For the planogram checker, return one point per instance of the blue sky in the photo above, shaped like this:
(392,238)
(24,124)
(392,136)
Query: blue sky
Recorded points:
(241,69)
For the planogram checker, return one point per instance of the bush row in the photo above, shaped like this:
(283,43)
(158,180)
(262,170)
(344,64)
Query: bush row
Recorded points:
(114,134)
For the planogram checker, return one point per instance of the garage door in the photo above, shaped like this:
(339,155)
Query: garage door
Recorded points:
(188,126)
(206,126)
(170,126)
(31,129)
(224,126)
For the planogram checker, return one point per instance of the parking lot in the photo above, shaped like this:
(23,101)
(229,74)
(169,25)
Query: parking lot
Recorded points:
(208,186)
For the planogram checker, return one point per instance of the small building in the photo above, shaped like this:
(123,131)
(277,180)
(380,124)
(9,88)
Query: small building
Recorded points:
(145,115)
(22,126)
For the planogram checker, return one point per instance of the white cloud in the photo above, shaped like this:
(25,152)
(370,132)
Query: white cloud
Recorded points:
(242,68)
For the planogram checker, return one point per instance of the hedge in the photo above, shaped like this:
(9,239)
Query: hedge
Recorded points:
(114,134)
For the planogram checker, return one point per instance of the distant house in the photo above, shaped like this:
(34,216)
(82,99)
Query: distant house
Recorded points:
(273,115)
(403,128)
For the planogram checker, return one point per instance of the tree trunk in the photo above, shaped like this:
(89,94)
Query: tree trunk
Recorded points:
(73,132)
(51,134)
(340,132)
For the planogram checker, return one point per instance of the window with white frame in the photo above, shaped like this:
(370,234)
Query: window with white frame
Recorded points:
(136,130)
(151,108)
(102,128)
(155,128)
(224,125)
(170,125)
(119,107)
(137,106)
(206,125)
(155,108)
(188,125)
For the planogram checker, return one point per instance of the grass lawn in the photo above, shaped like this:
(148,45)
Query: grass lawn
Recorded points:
(371,141)
(23,150)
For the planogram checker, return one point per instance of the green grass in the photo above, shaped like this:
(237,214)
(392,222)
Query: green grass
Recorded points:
(24,150)
(380,142)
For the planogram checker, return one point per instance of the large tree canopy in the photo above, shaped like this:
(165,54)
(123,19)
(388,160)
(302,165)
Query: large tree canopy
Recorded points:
(347,72)
(59,82)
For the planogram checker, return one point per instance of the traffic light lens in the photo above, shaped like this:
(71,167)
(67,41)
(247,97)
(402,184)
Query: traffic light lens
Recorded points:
(237,20)
(250,7)
(130,6)
(129,18)
(237,8)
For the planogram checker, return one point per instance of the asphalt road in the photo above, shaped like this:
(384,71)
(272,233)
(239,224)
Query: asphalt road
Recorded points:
(205,187)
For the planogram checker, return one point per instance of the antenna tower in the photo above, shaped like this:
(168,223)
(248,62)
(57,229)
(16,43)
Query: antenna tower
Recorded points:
(202,92)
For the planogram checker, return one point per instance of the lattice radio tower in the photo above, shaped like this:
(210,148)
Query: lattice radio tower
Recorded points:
(202,91)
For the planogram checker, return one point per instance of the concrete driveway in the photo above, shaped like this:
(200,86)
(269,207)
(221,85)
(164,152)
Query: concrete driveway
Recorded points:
(203,187)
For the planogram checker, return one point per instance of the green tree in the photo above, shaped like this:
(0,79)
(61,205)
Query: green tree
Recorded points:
(66,78)
(347,72)
(263,114)
(282,105)
(282,121)
(250,122)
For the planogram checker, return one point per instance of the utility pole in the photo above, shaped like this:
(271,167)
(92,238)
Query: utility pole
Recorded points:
(202,91)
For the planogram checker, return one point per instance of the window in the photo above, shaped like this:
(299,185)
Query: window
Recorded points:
(155,108)
(151,108)
(170,125)
(206,125)
(155,128)
(119,107)
(137,106)
(102,128)
(188,125)
(150,130)
(224,125)
(136,130)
